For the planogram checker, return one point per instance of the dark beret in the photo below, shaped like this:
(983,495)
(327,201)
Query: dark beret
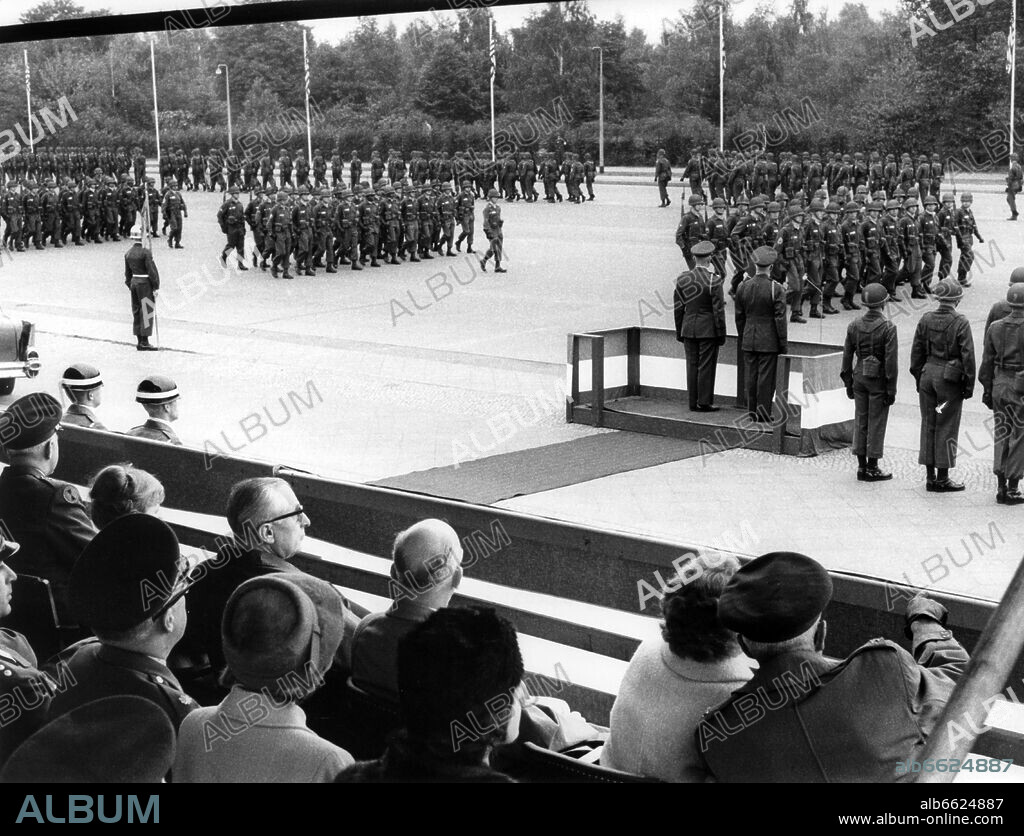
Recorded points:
(124,739)
(126,574)
(704,249)
(29,421)
(775,597)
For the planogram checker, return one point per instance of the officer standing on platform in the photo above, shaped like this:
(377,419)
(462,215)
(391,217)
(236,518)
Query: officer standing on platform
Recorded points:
(942,363)
(82,384)
(231,218)
(871,384)
(761,326)
(700,326)
(1002,376)
(143,280)
(158,395)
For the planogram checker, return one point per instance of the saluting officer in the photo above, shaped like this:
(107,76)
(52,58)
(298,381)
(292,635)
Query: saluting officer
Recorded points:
(942,363)
(83,384)
(871,383)
(761,326)
(159,396)
(700,326)
(143,281)
(1002,376)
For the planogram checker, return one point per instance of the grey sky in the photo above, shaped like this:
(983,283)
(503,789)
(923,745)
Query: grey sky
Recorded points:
(645,14)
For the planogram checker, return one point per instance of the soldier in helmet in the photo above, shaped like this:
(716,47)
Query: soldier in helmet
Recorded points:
(1014,183)
(814,254)
(717,233)
(279,237)
(871,343)
(789,267)
(465,213)
(743,228)
(1002,376)
(942,362)
(853,256)
(231,217)
(174,210)
(446,208)
(910,245)
(662,176)
(870,234)
(1001,308)
(832,244)
(302,228)
(944,243)
(691,229)
(928,229)
(923,173)
(493,230)
(966,229)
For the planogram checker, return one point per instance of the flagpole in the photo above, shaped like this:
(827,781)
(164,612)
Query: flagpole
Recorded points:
(309,129)
(28,103)
(1013,74)
(721,76)
(490,32)
(156,107)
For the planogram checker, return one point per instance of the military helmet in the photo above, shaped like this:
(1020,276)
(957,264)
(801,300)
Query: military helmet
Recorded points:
(745,201)
(282,196)
(303,190)
(783,197)
(842,190)
(325,192)
(718,203)
(833,208)
(821,194)
(892,204)
(696,200)
(967,197)
(874,206)
(817,205)
(796,212)
(493,193)
(910,203)
(851,207)
(948,197)
(931,201)
(879,195)
(233,190)
(757,202)
(1015,295)
(862,189)
(874,295)
(1017,275)
(774,207)
(446,186)
(948,290)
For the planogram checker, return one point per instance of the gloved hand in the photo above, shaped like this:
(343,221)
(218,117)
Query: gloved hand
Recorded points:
(921,606)
(889,399)
(987,399)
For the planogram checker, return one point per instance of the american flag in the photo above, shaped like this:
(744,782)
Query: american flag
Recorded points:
(492,52)
(28,77)
(1011,40)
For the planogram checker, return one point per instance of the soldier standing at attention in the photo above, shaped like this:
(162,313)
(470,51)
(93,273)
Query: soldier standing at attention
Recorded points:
(691,229)
(158,395)
(662,176)
(942,363)
(143,280)
(355,169)
(761,328)
(1014,182)
(700,326)
(966,229)
(231,218)
(1002,376)
(492,229)
(871,384)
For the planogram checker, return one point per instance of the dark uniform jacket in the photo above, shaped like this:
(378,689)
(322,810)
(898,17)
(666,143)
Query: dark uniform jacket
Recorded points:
(25,692)
(155,431)
(761,315)
(405,760)
(872,335)
(1004,350)
(700,306)
(999,310)
(101,670)
(138,261)
(48,518)
(81,416)
(804,718)
(941,336)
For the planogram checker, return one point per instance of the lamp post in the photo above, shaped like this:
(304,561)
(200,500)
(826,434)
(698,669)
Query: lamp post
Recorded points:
(227,90)
(600,116)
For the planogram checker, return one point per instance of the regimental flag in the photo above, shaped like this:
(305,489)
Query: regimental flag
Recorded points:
(493,54)
(1011,41)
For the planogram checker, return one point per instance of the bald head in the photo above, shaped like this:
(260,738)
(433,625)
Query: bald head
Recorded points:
(427,562)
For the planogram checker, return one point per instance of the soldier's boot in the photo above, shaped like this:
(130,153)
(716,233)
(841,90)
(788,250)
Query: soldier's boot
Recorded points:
(254,263)
(873,473)
(331,268)
(449,251)
(58,244)
(308,272)
(343,262)
(828,309)
(796,316)
(224,258)
(393,259)
(498,268)
(356,265)
(241,265)
(815,313)
(426,255)
(373,260)
(458,243)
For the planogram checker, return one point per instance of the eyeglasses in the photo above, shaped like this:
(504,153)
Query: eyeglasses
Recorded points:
(298,511)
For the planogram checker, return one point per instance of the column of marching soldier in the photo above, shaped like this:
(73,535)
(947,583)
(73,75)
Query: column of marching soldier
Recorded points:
(776,260)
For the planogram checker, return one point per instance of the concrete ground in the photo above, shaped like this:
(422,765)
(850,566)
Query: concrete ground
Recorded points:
(362,375)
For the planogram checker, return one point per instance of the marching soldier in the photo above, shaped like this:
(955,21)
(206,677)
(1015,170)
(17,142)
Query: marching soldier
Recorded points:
(231,218)
(910,245)
(662,176)
(872,248)
(871,342)
(267,171)
(83,384)
(944,243)
(279,239)
(301,171)
(492,229)
(716,232)
(890,246)
(589,175)
(928,229)
(966,229)
(319,169)
(369,226)
(446,209)
(71,215)
(284,163)
(744,229)
(942,363)
(376,166)
(1014,183)
(348,220)
(789,246)
(700,326)
(1002,376)
(143,281)
(302,228)
(174,209)
(324,211)
(355,170)
(466,215)
(425,207)
(411,224)
(158,395)
(691,229)
(814,253)
(832,243)
(392,223)
(252,218)
(761,328)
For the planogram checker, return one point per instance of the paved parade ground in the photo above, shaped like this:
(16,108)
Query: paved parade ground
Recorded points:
(374,374)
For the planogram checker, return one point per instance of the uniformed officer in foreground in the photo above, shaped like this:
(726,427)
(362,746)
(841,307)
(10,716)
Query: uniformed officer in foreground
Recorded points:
(129,588)
(24,689)
(700,326)
(159,397)
(45,515)
(942,362)
(83,384)
(1002,376)
(143,281)
(761,328)
(817,719)
(871,383)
